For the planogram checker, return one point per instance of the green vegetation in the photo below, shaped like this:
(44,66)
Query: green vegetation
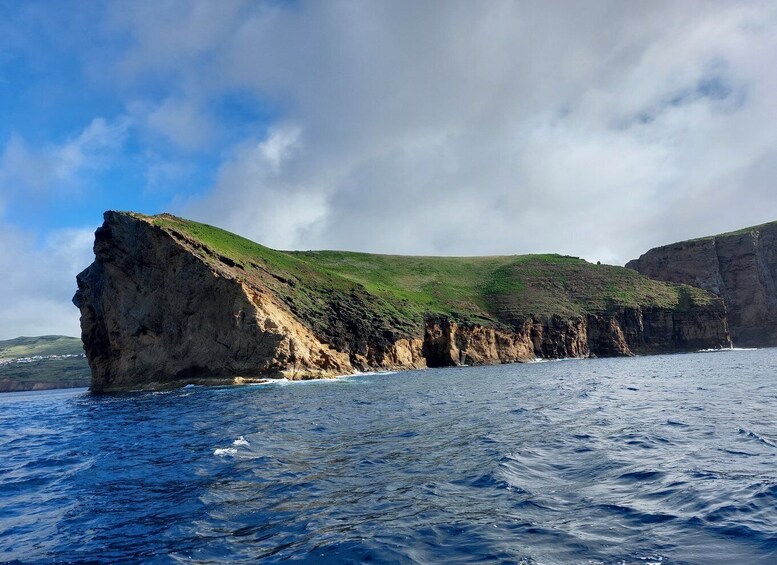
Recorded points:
(45,374)
(742,231)
(402,289)
(41,345)
(43,365)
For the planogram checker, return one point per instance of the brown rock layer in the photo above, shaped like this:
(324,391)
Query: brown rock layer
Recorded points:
(740,267)
(159,310)
(623,333)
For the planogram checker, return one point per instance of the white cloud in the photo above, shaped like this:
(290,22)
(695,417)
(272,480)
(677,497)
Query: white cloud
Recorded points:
(174,34)
(63,166)
(596,129)
(89,150)
(20,165)
(39,280)
(273,151)
(39,270)
(254,190)
(181,121)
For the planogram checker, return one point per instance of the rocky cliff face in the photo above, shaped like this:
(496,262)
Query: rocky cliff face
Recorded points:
(156,312)
(741,267)
(622,333)
(160,309)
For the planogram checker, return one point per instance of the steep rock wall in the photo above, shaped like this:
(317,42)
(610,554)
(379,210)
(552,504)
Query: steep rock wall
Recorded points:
(159,309)
(153,313)
(740,267)
(629,331)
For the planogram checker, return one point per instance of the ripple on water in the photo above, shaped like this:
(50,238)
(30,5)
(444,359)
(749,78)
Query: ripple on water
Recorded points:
(636,460)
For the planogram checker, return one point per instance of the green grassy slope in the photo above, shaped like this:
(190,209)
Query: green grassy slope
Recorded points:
(41,345)
(48,371)
(402,289)
(741,231)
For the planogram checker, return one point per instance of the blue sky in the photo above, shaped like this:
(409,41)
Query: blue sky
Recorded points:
(597,129)
(55,71)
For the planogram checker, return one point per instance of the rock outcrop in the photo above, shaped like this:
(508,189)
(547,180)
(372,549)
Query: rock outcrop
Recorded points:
(741,267)
(623,333)
(162,307)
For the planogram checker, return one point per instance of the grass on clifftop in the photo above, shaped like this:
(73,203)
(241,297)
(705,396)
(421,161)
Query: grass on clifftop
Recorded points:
(741,231)
(504,289)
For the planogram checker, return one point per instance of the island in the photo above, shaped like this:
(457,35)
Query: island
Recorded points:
(169,302)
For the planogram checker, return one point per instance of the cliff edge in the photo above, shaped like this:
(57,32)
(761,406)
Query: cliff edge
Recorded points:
(168,302)
(740,267)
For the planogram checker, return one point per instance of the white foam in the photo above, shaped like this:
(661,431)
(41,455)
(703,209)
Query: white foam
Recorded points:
(241,441)
(224,451)
(366,374)
(337,378)
(280,382)
(755,435)
(714,350)
(555,360)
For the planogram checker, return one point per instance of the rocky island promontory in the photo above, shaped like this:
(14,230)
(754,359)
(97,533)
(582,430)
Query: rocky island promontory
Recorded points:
(169,301)
(739,266)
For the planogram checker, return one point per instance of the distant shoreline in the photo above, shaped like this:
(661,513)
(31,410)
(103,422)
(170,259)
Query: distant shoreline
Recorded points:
(17,386)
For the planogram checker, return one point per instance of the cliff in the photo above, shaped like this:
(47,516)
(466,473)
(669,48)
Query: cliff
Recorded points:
(740,266)
(169,301)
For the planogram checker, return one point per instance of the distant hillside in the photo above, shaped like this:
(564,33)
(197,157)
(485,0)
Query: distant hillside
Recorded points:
(44,362)
(41,345)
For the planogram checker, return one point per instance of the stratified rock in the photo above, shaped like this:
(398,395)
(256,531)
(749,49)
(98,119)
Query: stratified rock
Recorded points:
(169,302)
(740,266)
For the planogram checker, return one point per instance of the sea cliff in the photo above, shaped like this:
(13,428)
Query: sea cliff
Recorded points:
(740,267)
(168,302)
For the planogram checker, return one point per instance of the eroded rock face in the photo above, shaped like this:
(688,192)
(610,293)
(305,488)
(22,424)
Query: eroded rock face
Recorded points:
(153,313)
(623,333)
(160,310)
(740,267)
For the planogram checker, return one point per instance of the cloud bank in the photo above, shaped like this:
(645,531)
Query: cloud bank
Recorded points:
(596,129)
(38,281)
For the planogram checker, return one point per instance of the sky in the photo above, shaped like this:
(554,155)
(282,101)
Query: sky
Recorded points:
(596,129)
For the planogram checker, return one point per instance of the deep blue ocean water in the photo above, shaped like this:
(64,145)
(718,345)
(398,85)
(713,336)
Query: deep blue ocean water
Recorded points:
(666,459)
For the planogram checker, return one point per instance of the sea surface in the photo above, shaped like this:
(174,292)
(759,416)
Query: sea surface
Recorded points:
(646,460)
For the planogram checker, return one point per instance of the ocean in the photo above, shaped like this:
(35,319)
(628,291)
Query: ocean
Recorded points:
(646,460)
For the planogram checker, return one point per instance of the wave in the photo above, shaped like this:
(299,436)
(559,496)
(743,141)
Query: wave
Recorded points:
(336,378)
(447,464)
(718,349)
(545,360)
(758,437)
(230,451)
